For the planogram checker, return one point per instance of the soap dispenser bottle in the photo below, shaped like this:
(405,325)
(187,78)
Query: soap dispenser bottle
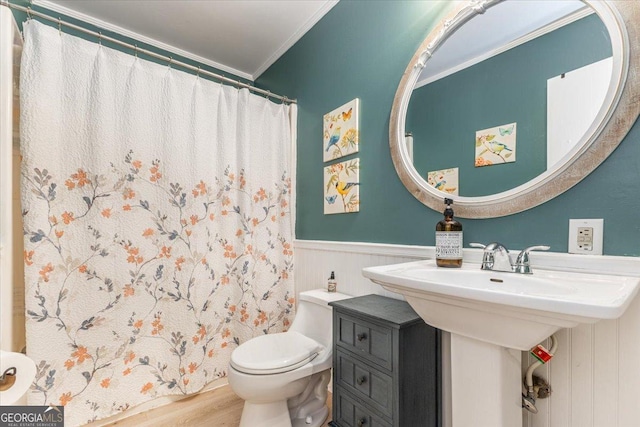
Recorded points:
(331,283)
(448,239)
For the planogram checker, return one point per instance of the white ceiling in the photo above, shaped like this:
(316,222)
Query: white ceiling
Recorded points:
(242,37)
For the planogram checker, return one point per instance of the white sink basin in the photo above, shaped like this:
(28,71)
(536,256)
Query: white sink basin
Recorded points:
(506,309)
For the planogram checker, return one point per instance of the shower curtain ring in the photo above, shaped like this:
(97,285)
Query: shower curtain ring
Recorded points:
(59,26)
(29,13)
(198,72)
(170,61)
(100,38)
(136,50)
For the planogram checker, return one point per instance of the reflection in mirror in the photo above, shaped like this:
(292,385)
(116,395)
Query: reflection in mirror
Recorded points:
(614,119)
(508,95)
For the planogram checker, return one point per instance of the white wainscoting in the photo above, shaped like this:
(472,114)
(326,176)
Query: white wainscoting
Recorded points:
(594,376)
(315,260)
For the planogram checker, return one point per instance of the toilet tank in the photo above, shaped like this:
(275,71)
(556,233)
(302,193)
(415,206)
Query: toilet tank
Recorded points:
(314,315)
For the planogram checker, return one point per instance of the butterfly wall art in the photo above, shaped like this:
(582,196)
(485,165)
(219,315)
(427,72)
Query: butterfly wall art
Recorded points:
(342,187)
(341,131)
(496,145)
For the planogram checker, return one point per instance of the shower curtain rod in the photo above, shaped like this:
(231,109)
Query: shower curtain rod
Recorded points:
(138,50)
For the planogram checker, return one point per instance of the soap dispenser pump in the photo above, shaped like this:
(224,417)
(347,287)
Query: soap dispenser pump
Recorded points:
(448,239)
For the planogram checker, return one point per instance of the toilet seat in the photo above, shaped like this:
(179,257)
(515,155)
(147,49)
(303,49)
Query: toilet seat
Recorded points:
(274,353)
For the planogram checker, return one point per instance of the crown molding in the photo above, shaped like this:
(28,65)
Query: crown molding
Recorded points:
(313,20)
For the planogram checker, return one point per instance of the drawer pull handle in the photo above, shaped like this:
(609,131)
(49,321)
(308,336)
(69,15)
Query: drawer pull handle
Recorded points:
(362,336)
(361,380)
(361,422)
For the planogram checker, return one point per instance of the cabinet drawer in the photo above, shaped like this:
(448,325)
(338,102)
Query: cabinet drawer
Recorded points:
(369,340)
(350,413)
(375,388)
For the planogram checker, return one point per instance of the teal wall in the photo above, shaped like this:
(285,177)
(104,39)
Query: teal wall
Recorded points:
(507,88)
(360,49)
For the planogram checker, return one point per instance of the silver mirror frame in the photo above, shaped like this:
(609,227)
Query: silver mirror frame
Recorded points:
(618,114)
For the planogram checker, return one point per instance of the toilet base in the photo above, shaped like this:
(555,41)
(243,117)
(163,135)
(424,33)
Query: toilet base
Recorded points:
(265,414)
(308,408)
(315,419)
(276,414)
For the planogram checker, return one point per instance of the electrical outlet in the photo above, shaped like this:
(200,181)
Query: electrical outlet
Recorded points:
(585,236)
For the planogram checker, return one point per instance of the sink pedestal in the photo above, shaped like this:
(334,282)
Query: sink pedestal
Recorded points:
(485,384)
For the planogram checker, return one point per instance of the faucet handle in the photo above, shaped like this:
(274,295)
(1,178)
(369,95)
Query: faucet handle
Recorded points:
(523,264)
(537,248)
(477,245)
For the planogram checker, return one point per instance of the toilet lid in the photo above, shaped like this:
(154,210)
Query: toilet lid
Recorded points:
(274,353)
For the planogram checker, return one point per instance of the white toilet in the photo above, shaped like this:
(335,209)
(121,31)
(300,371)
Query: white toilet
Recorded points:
(283,377)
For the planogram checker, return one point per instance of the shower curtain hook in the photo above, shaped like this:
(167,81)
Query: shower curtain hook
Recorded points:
(59,26)
(29,13)
(198,72)
(268,94)
(170,61)
(100,38)
(136,50)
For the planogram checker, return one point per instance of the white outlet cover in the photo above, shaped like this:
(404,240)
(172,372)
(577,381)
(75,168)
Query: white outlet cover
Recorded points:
(598,234)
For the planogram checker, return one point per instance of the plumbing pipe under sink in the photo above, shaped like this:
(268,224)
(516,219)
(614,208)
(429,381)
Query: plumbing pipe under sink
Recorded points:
(529,394)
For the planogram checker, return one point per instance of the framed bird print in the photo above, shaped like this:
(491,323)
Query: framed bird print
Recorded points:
(342,187)
(444,180)
(341,131)
(496,145)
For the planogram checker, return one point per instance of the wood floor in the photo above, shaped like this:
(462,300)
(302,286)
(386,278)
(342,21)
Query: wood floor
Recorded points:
(219,407)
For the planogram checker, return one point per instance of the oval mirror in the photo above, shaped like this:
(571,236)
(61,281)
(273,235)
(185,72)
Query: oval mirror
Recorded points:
(507,103)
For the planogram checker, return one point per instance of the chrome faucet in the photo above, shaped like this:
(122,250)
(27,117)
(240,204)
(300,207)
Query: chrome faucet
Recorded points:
(496,257)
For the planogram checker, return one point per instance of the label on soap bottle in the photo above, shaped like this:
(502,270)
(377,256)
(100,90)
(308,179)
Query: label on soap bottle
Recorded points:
(331,286)
(449,244)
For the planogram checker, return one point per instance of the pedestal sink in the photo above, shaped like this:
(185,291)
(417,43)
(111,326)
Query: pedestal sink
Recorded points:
(494,315)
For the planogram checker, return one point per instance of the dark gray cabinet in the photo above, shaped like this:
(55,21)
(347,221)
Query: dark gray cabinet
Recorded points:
(386,365)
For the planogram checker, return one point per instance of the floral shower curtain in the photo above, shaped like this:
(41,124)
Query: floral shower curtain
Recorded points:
(157,224)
